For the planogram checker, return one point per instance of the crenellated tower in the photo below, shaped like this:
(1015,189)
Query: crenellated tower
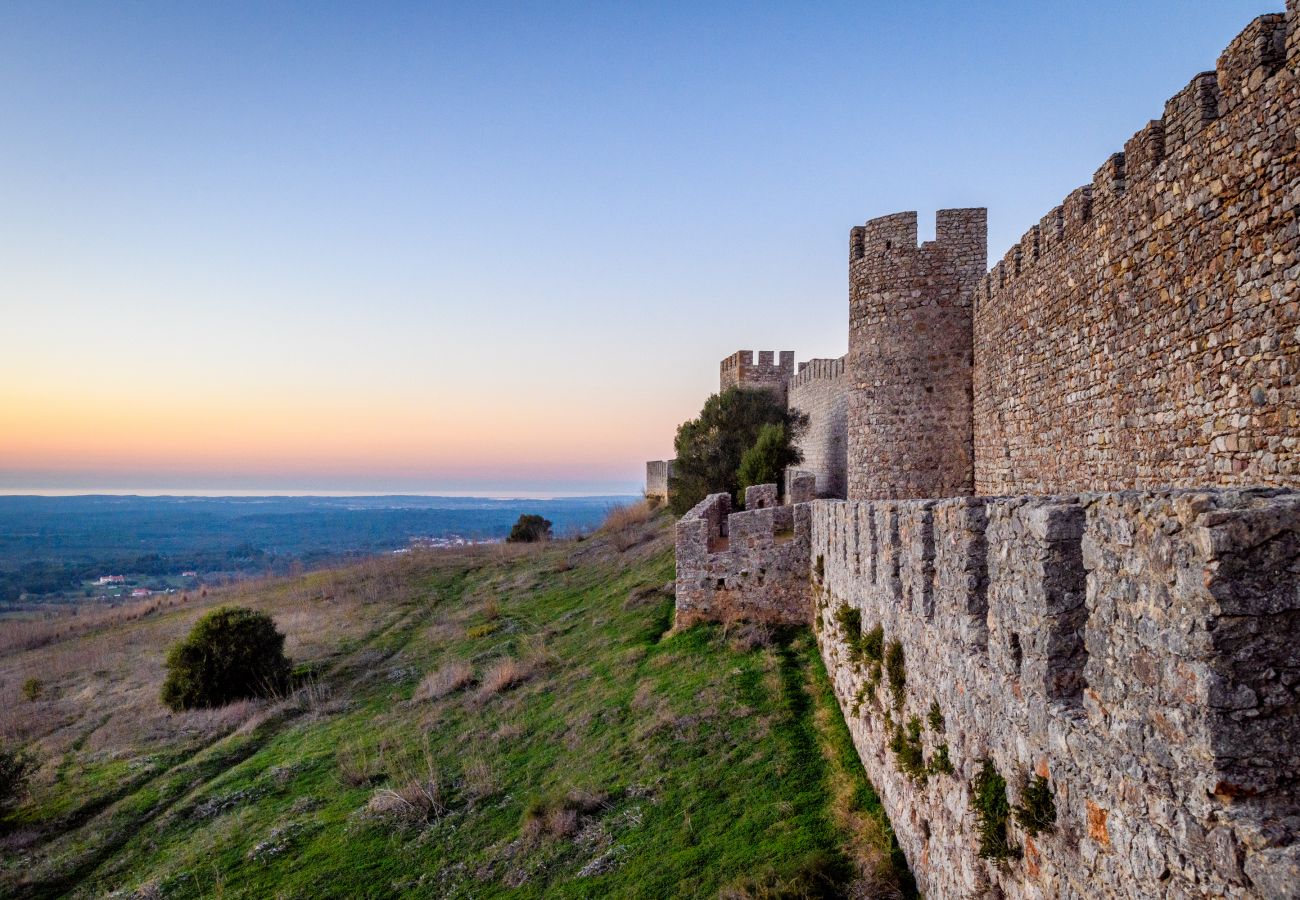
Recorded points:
(769,373)
(910,356)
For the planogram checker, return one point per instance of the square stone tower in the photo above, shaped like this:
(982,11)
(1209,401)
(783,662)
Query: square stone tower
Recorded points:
(740,370)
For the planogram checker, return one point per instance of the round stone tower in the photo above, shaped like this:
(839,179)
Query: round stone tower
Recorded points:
(910,355)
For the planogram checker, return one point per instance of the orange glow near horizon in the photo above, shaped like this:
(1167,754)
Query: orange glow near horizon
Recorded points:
(408,435)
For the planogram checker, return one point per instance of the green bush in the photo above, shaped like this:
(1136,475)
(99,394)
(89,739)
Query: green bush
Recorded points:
(232,653)
(15,768)
(940,763)
(908,753)
(766,461)
(850,622)
(710,447)
(936,717)
(32,689)
(530,528)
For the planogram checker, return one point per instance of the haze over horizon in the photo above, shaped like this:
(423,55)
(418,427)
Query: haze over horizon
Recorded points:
(492,247)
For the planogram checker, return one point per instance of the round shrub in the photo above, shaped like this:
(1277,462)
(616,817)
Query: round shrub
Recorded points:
(232,653)
(530,528)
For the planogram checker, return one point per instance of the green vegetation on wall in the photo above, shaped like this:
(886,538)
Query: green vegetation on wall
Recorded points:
(1036,811)
(988,798)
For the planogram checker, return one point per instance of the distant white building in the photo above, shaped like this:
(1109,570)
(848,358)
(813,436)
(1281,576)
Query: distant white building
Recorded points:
(111,579)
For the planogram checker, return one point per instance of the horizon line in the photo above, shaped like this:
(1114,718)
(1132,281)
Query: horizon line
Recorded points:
(223,493)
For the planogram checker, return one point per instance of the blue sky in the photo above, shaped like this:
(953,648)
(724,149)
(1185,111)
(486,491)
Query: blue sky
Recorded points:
(486,246)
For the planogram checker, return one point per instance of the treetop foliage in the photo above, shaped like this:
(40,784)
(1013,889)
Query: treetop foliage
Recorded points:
(710,448)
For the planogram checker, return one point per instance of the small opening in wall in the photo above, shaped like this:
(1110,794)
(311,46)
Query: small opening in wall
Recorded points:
(722,583)
(1017,654)
(889,245)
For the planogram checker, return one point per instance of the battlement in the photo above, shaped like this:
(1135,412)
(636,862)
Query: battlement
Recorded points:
(1117,339)
(742,370)
(888,238)
(1250,60)
(749,565)
(1134,649)
(818,370)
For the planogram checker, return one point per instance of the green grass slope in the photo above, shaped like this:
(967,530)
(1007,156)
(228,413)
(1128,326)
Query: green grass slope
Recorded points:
(498,722)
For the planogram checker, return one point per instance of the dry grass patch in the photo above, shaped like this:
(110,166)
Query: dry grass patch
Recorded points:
(502,675)
(414,794)
(358,764)
(561,818)
(479,779)
(445,680)
(624,524)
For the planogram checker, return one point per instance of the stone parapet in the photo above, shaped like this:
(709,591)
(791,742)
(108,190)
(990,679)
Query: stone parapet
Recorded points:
(750,565)
(1136,650)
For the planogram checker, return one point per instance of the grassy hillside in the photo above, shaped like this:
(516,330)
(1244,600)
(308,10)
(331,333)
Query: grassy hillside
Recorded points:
(500,721)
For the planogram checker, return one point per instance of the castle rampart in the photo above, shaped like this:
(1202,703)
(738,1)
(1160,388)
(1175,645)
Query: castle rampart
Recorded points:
(749,565)
(1132,649)
(820,390)
(909,360)
(1090,691)
(1147,332)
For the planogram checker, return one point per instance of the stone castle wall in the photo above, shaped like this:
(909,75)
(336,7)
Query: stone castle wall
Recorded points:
(1147,331)
(768,372)
(1136,650)
(657,473)
(750,565)
(1131,656)
(909,360)
(820,390)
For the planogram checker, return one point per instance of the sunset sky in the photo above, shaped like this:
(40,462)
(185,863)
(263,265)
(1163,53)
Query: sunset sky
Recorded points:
(493,247)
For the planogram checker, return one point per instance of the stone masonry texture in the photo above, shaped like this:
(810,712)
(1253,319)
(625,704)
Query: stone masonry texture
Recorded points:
(1135,649)
(909,360)
(820,390)
(1147,331)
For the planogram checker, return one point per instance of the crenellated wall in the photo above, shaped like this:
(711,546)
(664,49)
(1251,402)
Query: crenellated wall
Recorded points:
(750,565)
(820,390)
(1118,672)
(1147,331)
(1136,650)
